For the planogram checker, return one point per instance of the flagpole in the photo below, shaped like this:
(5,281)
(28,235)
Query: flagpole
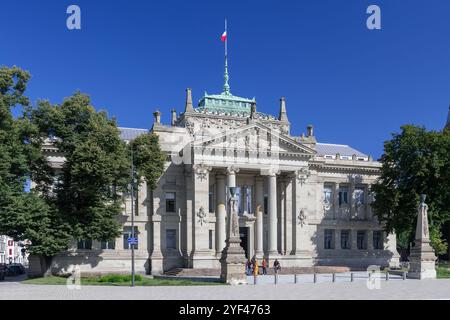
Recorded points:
(226,40)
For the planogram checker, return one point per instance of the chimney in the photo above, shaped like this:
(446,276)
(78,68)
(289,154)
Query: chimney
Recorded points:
(157,116)
(253,110)
(310,130)
(283,114)
(189,107)
(174,117)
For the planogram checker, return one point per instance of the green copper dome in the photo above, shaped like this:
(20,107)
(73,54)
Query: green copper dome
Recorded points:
(225,103)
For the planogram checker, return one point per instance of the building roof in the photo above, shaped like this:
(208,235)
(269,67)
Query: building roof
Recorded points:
(128,134)
(323,149)
(328,149)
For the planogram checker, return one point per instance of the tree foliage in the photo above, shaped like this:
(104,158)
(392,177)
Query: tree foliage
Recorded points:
(82,198)
(24,215)
(95,169)
(415,161)
(148,158)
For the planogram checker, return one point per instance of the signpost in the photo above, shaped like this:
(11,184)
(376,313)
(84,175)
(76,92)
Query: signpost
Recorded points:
(133,239)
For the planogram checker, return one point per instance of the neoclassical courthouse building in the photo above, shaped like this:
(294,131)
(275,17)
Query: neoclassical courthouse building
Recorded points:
(303,202)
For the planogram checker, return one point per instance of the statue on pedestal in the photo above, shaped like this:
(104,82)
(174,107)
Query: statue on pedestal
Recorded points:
(422,258)
(233,255)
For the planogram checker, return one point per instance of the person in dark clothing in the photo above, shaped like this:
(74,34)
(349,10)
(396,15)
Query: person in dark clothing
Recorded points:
(276,266)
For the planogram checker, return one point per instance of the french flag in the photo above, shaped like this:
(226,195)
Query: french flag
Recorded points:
(224,36)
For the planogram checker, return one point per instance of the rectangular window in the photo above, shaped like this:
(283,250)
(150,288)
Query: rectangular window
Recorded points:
(359,195)
(328,194)
(128,234)
(345,239)
(378,240)
(343,195)
(84,244)
(361,240)
(329,239)
(171,238)
(211,239)
(211,199)
(170,202)
(266,204)
(108,245)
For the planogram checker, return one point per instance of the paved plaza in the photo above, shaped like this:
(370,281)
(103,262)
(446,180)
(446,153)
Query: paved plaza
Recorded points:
(286,289)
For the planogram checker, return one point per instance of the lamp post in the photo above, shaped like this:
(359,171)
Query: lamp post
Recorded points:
(132,219)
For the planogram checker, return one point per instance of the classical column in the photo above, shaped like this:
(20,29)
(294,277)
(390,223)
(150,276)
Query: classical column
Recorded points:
(281,224)
(156,257)
(335,200)
(201,252)
(370,240)
(351,200)
(289,216)
(188,238)
(272,248)
(221,214)
(259,193)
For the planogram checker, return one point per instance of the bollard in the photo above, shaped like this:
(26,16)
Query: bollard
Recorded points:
(370,276)
(255,281)
(387,276)
(315,277)
(334,277)
(276,278)
(352,277)
(404,275)
(295,279)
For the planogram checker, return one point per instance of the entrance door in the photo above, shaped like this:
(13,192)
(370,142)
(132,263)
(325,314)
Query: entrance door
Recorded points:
(243,233)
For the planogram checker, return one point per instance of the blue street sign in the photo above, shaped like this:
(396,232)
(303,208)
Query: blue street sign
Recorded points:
(132,241)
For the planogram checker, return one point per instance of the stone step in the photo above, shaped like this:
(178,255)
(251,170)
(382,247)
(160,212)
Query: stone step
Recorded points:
(186,272)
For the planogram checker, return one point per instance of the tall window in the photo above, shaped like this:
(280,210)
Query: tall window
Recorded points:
(108,245)
(171,238)
(361,240)
(211,199)
(211,239)
(327,194)
(329,239)
(343,195)
(266,204)
(378,240)
(127,234)
(84,244)
(244,194)
(359,195)
(170,202)
(345,239)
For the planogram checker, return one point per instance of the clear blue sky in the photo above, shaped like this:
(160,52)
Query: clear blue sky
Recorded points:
(356,86)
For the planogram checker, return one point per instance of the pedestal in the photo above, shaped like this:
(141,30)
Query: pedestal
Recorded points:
(422,262)
(233,259)
(233,262)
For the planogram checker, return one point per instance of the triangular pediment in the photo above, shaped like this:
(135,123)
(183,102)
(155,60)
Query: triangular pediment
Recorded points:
(254,137)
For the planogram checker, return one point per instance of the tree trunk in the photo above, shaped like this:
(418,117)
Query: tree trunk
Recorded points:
(39,266)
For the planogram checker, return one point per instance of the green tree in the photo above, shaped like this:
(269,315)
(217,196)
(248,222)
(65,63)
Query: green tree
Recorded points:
(82,198)
(24,215)
(415,161)
(148,158)
(95,170)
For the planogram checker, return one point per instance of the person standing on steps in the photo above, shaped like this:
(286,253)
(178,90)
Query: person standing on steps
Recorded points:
(264,266)
(276,266)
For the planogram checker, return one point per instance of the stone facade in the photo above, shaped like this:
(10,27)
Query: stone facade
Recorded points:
(302,202)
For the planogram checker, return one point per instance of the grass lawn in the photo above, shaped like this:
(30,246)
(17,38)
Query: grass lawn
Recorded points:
(120,280)
(443,271)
